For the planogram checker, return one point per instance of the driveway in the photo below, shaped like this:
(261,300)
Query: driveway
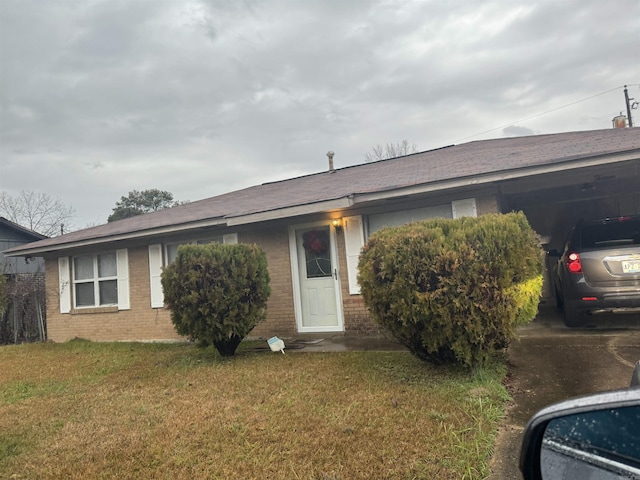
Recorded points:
(550,363)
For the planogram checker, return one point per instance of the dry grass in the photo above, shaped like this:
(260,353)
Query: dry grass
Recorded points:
(82,410)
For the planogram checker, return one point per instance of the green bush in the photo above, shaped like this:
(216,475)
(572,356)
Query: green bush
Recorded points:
(217,293)
(453,291)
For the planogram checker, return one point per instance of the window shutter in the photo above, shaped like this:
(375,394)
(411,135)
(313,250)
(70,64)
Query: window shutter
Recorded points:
(64,279)
(155,273)
(230,238)
(123,279)
(464,208)
(354,241)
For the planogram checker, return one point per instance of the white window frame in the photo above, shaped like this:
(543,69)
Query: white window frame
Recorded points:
(208,240)
(159,258)
(465,207)
(227,238)
(165,260)
(95,280)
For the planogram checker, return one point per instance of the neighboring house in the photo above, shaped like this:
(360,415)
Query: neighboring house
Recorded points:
(13,235)
(24,320)
(104,282)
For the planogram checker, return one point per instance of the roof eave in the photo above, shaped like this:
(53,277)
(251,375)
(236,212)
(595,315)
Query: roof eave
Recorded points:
(484,179)
(293,211)
(35,235)
(20,252)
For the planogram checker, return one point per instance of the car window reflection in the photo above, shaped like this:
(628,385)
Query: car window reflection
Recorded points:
(602,444)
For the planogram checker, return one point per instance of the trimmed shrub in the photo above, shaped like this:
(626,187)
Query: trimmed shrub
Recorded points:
(452,291)
(217,293)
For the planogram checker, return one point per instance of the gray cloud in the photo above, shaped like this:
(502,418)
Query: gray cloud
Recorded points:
(202,97)
(515,131)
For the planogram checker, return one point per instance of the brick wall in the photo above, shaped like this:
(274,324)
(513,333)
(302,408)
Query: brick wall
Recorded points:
(281,319)
(487,204)
(281,313)
(144,323)
(141,322)
(356,315)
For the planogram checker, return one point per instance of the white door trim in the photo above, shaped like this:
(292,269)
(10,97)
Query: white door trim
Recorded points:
(295,276)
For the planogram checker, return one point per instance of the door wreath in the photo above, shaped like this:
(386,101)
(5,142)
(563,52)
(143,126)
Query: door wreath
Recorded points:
(315,241)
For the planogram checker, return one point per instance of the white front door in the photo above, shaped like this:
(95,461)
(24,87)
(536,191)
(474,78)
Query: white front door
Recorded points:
(318,303)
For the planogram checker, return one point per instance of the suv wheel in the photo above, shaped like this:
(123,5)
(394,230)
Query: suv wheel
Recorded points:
(573,317)
(559,300)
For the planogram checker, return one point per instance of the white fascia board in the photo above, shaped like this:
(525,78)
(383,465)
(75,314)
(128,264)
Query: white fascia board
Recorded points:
(119,237)
(483,179)
(293,211)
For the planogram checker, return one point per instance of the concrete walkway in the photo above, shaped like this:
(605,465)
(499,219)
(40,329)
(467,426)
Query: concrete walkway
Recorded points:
(347,343)
(551,363)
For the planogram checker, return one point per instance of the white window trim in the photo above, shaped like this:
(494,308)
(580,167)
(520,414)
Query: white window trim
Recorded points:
(122,262)
(157,261)
(155,275)
(227,238)
(354,241)
(121,278)
(64,284)
(355,235)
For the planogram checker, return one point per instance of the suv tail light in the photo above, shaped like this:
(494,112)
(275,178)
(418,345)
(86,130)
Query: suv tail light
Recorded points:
(573,263)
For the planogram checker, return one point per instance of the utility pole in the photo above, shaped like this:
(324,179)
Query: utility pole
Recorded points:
(626,98)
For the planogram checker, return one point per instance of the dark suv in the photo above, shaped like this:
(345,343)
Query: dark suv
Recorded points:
(599,269)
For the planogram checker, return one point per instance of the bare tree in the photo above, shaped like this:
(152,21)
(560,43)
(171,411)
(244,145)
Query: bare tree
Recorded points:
(37,211)
(390,150)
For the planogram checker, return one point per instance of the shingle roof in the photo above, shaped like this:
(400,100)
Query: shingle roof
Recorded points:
(21,229)
(467,160)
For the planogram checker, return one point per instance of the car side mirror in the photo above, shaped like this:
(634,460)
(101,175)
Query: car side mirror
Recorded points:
(596,436)
(553,253)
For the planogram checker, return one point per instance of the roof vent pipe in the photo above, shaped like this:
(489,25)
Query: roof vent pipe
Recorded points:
(330,155)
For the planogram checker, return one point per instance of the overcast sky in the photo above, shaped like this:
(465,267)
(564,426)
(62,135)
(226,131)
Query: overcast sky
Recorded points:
(202,97)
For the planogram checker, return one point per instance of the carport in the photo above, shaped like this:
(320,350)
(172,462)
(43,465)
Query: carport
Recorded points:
(601,186)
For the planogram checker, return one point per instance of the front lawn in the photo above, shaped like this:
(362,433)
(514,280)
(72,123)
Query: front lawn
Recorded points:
(123,410)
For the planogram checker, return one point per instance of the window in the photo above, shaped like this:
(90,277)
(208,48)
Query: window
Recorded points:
(172,252)
(317,251)
(172,248)
(211,240)
(625,231)
(402,217)
(95,280)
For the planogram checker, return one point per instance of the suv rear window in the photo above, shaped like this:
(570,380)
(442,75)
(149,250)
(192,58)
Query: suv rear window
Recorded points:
(610,233)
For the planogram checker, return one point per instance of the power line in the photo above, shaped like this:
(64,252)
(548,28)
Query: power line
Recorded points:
(545,112)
